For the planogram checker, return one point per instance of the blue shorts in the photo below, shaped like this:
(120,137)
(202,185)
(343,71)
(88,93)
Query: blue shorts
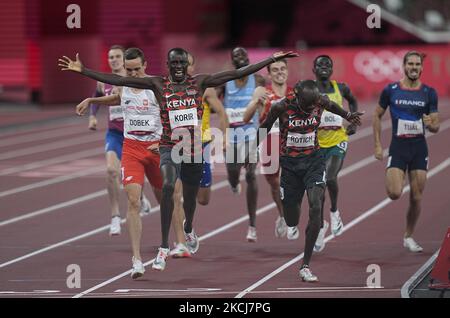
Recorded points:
(114,142)
(408,154)
(206,180)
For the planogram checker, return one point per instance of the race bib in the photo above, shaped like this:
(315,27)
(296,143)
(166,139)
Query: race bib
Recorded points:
(301,140)
(235,115)
(343,145)
(330,120)
(409,127)
(142,123)
(183,117)
(115,113)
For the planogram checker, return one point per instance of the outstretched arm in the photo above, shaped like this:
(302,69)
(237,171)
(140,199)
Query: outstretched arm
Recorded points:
(104,100)
(275,111)
(258,99)
(76,66)
(220,78)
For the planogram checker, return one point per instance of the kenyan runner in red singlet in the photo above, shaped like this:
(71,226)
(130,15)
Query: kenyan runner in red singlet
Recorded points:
(303,166)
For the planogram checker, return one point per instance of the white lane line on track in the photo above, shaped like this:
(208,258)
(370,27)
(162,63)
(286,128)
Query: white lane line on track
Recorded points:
(51,181)
(106,227)
(62,178)
(55,207)
(56,133)
(203,237)
(50,146)
(443,165)
(96,151)
(55,160)
(56,126)
(215,187)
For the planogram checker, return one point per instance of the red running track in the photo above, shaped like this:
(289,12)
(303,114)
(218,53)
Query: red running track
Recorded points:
(48,223)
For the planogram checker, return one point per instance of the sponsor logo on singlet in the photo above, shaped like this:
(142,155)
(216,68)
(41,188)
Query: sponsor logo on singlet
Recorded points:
(301,122)
(181,103)
(407,102)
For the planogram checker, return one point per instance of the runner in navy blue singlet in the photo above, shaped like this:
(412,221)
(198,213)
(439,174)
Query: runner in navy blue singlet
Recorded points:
(413,108)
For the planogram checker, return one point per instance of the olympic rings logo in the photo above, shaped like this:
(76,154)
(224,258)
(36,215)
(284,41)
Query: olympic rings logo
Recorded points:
(379,66)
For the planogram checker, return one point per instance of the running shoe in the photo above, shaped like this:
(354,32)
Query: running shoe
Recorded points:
(160,261)
(138,268)
(180,251)
(251,234)
(145,206)
(236,190)
(306,275)
(192,241)
(320,243)
(336,223)
(280,227)
(412,245)
(292,233)
(114,228)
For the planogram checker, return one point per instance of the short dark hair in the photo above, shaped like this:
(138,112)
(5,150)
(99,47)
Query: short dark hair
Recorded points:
(410,53)
(238,48)
(133,53)
(282,60)
(117,47)
(322,56)
(300,86)
(177,50)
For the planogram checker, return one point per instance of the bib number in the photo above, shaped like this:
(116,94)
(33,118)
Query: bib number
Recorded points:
(115,113)
(183,118)
(235,115)
(301,140)
(142,123)
(409,127)
(330,121)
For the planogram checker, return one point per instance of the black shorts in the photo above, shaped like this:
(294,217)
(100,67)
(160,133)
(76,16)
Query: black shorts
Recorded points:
(300,174)
(190,173)
(408,154)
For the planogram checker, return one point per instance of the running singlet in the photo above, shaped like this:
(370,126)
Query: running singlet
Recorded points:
(206,132)
(331,132)
(235,102)
(272,99)
(180,109)
(115,116)
(298,129)
(407,106)
(141,115)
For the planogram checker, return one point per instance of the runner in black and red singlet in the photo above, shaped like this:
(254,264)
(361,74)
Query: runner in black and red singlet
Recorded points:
(179,96)
(262,100)
(303,166)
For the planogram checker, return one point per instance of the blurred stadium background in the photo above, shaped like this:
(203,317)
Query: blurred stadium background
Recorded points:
(33,34)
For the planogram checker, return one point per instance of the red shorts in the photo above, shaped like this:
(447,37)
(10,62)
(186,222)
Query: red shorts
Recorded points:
(270,162)
(137,160)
